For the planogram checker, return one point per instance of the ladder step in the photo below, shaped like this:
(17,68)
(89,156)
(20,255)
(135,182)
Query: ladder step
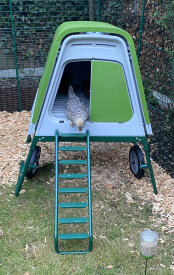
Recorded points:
(73,190)
(143,166)
(78,161)
(73,204)
(72,148)
(75,135)
(74,252)
(33,166)
(72,176)
(74,236)
(73,220)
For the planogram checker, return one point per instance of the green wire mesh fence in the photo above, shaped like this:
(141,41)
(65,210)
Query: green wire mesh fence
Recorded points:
(27,29)
(157,69)
(26,33)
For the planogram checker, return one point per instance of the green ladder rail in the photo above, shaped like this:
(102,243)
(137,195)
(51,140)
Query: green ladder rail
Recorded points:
(68,191)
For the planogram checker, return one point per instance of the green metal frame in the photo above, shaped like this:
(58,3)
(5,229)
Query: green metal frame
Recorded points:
(56,192)
(24,167)
(70,138)
(89,193)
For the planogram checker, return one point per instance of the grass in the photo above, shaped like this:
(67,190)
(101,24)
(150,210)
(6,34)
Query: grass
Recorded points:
(27,244)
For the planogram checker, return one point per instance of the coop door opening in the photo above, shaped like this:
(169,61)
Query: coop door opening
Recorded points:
(78,75)
(110,100)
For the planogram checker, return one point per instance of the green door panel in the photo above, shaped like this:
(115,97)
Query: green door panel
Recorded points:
(110,100)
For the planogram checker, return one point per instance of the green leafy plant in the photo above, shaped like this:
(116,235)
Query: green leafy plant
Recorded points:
(167,20)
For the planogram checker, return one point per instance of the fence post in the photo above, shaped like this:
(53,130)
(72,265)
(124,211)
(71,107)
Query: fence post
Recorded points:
(15,55)
(98,10)
(141,29)
(91,10)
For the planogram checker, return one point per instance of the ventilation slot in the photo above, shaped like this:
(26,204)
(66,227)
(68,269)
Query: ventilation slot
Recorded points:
(81,44)
(108,45)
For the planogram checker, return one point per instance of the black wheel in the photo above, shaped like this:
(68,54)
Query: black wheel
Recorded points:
(136,158)
(34,161)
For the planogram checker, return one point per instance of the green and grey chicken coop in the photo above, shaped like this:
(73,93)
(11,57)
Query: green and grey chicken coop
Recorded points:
(99,61)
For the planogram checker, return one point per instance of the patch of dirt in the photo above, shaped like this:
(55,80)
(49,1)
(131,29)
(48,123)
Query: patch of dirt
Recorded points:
(109,165)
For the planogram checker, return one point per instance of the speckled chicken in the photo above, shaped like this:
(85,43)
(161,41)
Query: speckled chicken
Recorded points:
(77,111)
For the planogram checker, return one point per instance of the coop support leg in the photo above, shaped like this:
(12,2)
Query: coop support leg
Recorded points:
(152,178)
(28,140)
(24,167)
